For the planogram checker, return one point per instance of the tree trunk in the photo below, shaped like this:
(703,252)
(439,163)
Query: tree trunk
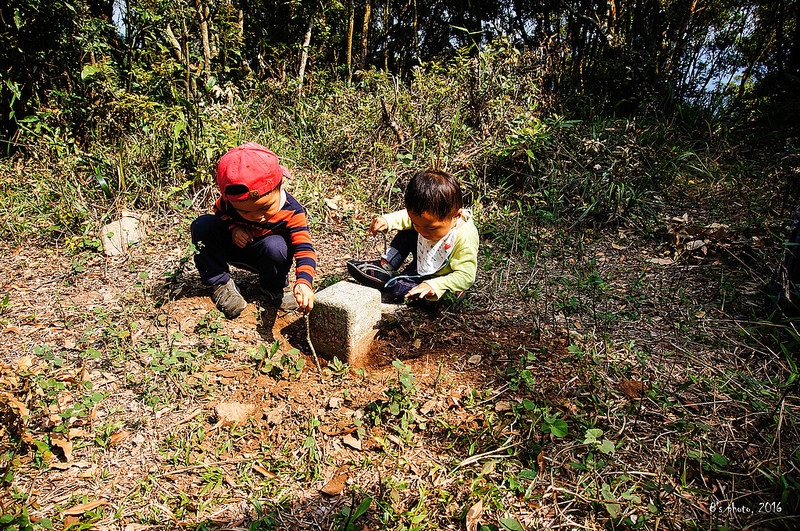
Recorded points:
(176,45)
(365,33)
(304,55)
(351,21)
(240,29)
(182,54)
(191,87)
(202,15)
(415,44)
(386,35)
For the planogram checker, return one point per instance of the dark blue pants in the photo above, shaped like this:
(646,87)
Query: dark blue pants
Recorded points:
(403,244)
(270,256)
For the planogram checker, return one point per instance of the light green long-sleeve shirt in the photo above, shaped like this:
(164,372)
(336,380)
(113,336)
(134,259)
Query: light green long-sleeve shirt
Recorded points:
(458,274)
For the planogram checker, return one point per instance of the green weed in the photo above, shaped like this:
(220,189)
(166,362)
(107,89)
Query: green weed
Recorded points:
(21,520)
(337,367)
(278,364)
(520,375)
(398,408)
(347,517)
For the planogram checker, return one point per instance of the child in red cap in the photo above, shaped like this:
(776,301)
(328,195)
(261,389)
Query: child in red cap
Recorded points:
(257,226)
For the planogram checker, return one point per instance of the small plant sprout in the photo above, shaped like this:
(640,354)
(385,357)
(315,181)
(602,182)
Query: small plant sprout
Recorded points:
(399,405)
(554,426)
(347,517)
(3,304)
(278,364)
(337,367)
(593,439)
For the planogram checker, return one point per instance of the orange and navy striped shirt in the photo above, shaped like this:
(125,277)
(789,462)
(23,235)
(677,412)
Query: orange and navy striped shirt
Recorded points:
(290,221)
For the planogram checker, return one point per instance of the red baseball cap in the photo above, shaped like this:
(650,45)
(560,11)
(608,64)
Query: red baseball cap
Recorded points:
(248,171)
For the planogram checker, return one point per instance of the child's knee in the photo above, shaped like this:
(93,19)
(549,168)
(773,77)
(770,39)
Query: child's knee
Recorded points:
(203,226)
(273,248)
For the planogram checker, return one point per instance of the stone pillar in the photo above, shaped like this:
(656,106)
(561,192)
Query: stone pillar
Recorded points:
(344,322)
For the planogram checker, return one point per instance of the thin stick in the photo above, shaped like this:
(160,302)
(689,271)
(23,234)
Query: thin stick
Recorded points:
(310,344)
(492,453)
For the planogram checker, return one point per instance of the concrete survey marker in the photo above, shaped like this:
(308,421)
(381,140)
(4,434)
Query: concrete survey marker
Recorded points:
(344,322)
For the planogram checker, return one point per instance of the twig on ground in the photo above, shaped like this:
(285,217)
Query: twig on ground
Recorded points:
(484,455)
(310,344)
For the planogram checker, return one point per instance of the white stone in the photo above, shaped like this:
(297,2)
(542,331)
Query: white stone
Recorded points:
(118,236)
(344,322)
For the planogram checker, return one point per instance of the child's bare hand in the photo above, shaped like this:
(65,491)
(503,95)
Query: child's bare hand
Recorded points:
(378,224)
(304,297)
(241,236)
(422,290)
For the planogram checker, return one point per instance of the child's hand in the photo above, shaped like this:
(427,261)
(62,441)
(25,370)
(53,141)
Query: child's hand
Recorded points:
(241,236)
(378,224)
(421,291)
(304,297)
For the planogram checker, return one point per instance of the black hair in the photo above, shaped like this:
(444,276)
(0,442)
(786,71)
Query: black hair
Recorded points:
(434,192)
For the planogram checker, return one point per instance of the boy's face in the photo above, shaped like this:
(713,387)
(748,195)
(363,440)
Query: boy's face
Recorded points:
(430,227)
(259,209)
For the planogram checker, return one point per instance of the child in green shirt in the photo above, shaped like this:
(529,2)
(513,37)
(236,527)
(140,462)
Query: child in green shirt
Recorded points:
(438,233)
